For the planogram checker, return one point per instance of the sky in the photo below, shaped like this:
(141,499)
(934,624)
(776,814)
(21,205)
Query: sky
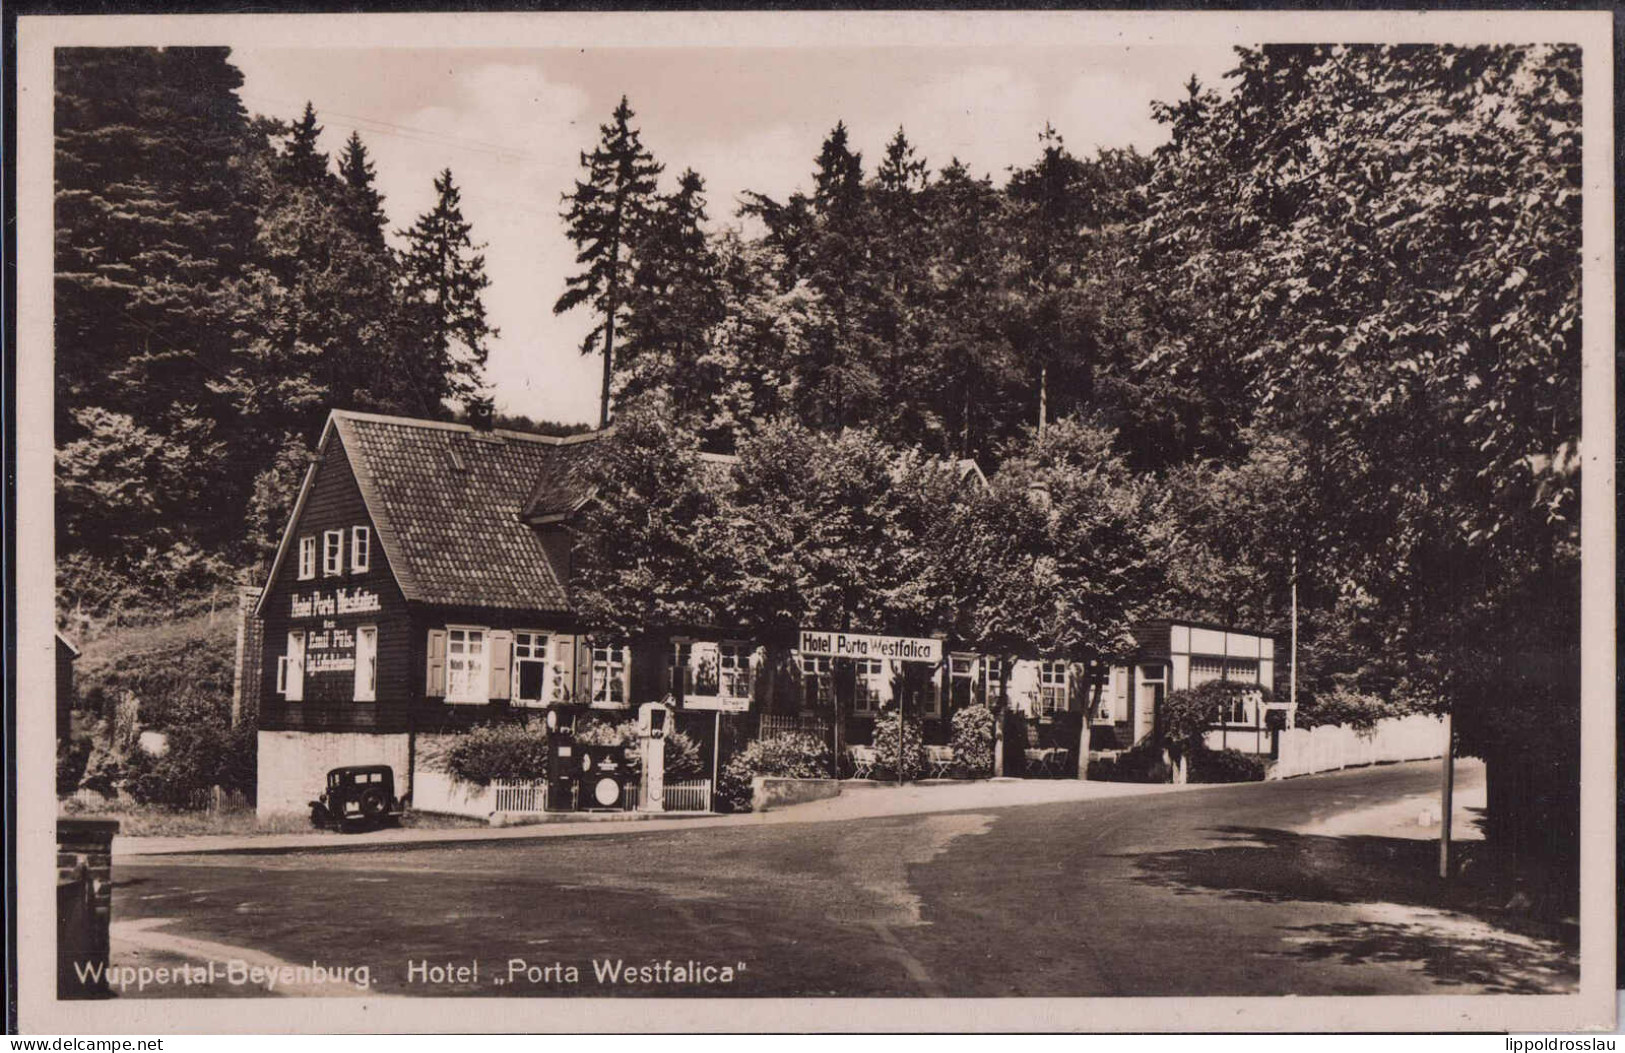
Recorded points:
(512,124)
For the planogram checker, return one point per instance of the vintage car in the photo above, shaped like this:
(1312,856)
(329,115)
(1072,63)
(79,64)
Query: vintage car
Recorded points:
(357,795)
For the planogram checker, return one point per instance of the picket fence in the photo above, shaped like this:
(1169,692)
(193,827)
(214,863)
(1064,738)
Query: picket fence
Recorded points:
(1304,751)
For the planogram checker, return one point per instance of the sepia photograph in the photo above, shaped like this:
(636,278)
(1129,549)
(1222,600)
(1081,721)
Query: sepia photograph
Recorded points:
(722,510)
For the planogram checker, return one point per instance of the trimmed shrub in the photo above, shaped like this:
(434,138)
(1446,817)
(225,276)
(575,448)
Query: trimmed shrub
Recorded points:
(496,751)
(1225,766)
(885,744)
(794,755)
(973,741)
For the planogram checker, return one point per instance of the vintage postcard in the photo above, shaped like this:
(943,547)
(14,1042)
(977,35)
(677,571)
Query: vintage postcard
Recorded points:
(1030,521)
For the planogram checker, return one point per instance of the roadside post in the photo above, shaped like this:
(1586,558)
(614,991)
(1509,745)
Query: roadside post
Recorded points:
(1447,789)
(653,720)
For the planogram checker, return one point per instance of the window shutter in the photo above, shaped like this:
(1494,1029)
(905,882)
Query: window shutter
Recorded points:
(500,647)
(562,669)
(294,688)
(583,688)
(434,684)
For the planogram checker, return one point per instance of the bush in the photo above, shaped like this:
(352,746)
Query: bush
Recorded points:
(1142,763)
(1187,714)
(1225,766)
(973,741)
(71,757)
(795,755)
(683,755)
(180,680)
(496,751)
(885,743)
(199,756)
(1345,708)
(596,731)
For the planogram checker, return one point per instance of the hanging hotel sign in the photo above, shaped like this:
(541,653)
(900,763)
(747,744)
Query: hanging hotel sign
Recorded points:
(340,601)
(867,645)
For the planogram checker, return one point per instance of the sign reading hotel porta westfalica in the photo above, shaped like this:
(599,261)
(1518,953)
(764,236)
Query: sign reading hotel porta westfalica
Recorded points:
(322,604)
(867,645)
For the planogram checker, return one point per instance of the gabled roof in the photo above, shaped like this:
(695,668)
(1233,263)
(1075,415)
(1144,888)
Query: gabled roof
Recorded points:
(447,502)
(63,641)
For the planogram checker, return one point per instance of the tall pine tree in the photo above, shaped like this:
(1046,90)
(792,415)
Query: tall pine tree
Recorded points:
(363,204)
(606,213)
(443,312)
(673,301)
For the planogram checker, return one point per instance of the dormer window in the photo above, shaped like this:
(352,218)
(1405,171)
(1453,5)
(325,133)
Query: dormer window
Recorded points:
(332,553)
(307,557)
(360,550)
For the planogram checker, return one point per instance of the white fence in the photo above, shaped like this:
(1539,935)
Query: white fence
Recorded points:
(1308,750)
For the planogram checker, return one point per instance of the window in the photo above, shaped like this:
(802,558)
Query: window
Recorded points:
(332,553)
(931,698)
(1052,684)
(609,676)
(993,680)
(530,668)
(465,665)
(961,679)
(816,684)
(1205,669)
(871,685)
(360,550)
(734,676)
(710,670)
(290,668)
(1244,670)
(307,557)
(366,663)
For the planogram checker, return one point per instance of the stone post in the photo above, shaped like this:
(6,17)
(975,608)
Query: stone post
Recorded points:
(84,905)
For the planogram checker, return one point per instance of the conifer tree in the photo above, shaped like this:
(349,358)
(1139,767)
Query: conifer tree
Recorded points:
(302,163)
(363,204)
(606,213)
(154,223)
(674,299)
(445,330)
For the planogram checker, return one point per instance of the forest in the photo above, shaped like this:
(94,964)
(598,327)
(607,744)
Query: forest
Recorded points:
(1326,336)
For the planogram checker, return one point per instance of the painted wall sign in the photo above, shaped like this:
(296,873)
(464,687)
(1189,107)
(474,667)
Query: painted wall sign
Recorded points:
(341,601)
(867,645)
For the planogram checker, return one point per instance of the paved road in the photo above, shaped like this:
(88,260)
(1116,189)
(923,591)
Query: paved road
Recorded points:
(1215,891)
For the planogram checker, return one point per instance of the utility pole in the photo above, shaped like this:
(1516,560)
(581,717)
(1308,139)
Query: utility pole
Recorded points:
(1043,398)
(1292,690)
(1447,789)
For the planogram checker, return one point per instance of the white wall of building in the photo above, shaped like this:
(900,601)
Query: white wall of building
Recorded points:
(293,765)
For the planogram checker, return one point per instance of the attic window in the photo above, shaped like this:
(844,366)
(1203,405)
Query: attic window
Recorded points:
(332,553)
(307,557)
(360,550)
